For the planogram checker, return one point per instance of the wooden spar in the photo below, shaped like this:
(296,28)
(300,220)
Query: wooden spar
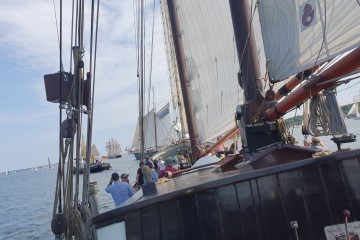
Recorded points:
(344,66)
(230,134)
(185,86)
(294,81)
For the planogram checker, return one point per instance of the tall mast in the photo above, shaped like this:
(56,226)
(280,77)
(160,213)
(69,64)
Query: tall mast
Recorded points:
(156,143)
(184,82)
(249,76)
(142,80)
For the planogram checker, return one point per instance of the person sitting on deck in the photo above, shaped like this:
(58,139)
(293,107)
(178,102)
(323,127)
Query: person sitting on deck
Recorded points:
(161,164)
(317,145)
(307,143)
(169,163)
(120,191)
(231,149)
(220,149)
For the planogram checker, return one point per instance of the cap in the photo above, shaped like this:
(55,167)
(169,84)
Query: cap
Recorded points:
(115,176)
(124,175)
(169,162)
(315,140)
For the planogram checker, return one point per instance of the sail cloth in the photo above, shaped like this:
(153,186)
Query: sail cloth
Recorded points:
(300,34)
(159,122)
(211,63)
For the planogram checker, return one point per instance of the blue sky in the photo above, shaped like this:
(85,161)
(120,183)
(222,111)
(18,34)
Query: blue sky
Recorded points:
(29,49)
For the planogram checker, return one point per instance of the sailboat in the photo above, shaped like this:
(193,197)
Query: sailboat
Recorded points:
(157,132)
(354,110)
(49,164)
(113,149)
(272,189)
(7,172)
(96,164)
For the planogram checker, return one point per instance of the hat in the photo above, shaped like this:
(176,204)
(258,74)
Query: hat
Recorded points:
(124,175)
(149,163)
(147,157)
(169,162)
(315,140)
(115,176)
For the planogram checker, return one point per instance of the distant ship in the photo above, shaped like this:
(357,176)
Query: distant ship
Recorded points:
(113,149)
(50,167)
(157,133)
(354,110)
(7,172)
(96,164)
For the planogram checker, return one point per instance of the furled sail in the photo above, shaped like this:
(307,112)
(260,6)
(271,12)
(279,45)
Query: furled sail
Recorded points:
(300,34)
(211,63)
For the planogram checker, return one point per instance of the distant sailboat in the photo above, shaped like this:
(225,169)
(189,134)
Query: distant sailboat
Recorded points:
(7,172)
(96,165)
(50,167)
(157,133)
(354,110)
(35,169)
(113,149)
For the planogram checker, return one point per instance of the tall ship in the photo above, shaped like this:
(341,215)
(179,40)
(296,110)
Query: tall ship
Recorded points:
(157,132)
(271,57)
(354,110)
(113,148)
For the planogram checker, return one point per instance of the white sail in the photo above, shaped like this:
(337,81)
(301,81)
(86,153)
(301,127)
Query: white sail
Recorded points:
(175,88)
(159,122)
(352,109)
(50,167)
(211,63)
(300,34)
(94,151)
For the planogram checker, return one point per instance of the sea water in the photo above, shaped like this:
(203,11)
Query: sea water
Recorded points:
(26,198)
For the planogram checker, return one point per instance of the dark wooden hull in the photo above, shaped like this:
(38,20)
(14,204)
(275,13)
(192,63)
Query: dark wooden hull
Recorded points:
(94,168)
(254,205)
(147,153)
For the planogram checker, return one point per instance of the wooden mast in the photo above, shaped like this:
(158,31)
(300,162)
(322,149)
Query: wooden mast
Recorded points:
(184,82)
(249,76)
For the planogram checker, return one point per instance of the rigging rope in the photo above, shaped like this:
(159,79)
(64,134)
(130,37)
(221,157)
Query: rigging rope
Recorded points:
(77,215)
(284,132)
(322,121)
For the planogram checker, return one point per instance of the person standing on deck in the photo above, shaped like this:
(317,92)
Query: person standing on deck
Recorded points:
(150,175)
(120,191)
(139,176)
